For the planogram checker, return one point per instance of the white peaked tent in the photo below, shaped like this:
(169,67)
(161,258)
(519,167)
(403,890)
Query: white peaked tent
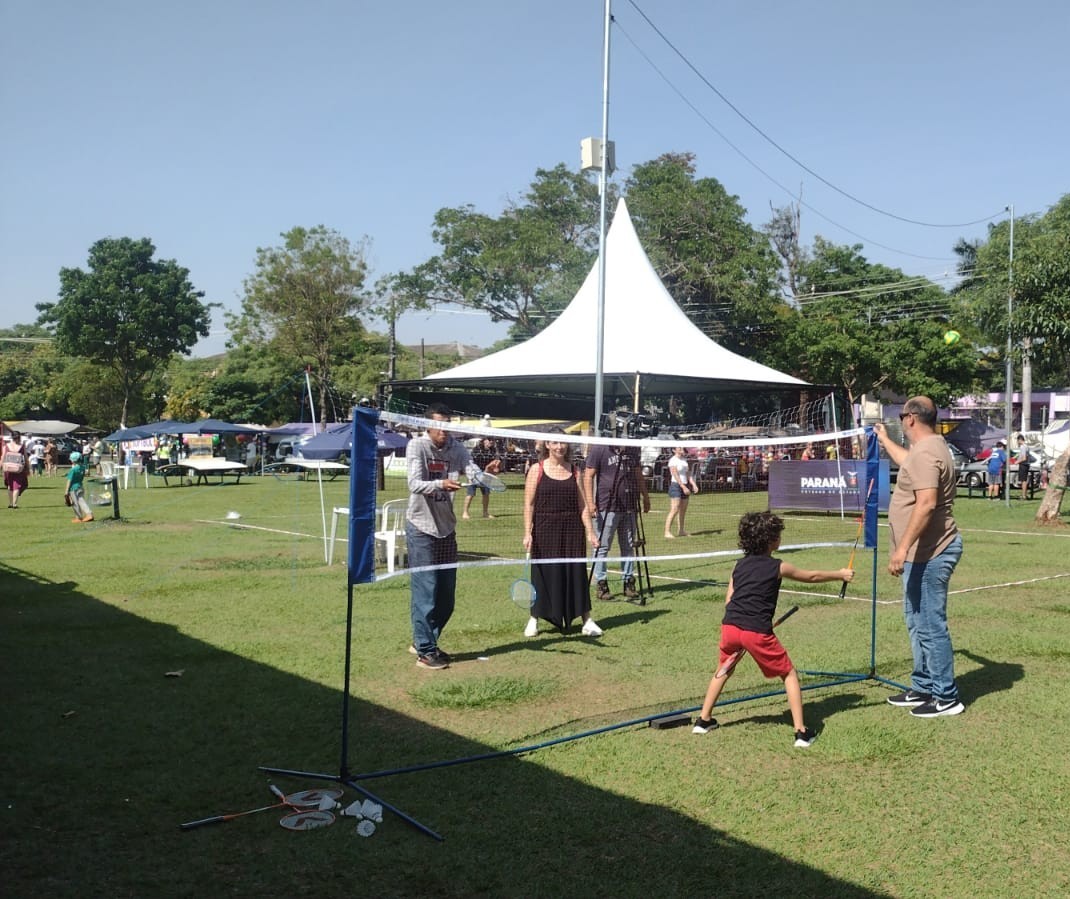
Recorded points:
(650,346)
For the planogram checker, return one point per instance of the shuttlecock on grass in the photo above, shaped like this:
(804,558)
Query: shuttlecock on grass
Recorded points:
(233,516)
(365,828)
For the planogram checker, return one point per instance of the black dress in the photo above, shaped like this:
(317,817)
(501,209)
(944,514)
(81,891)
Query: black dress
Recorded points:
(562,593)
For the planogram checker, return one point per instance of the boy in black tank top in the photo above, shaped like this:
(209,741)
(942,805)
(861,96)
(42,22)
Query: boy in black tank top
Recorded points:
(747,626)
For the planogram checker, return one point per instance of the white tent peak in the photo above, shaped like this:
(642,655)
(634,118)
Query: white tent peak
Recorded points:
(647,335)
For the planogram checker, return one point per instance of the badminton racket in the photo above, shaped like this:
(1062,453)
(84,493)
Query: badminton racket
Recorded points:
(298,801)
(733,660)
(858,535)
(491,481)
(522,592)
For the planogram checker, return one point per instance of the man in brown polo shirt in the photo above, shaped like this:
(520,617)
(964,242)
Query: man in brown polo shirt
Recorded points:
(926,547)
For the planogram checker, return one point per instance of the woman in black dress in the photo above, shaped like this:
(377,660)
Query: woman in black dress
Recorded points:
(557,526)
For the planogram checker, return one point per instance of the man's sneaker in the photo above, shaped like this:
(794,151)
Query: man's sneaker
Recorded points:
(936,708)
(629,589)
(603,591)
(590,629)
(532,629)
(804,738)
(909,699)
(434,660)
(704,725)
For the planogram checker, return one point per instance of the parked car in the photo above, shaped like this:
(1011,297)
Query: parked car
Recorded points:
(974,472)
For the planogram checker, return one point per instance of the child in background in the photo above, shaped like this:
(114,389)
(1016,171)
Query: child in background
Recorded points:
(752,596)
(75,491)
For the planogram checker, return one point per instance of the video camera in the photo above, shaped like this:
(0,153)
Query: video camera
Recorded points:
(614,424)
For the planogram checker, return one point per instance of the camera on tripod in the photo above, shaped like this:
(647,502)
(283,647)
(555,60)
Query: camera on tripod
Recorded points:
(616,424)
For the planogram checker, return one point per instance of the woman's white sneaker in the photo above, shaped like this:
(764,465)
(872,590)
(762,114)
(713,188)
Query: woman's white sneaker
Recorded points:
(532,629)
(590,629)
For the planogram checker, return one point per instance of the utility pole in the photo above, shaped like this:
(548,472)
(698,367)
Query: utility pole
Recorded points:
(1010,362)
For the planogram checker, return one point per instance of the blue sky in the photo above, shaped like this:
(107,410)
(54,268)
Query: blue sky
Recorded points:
(213,127)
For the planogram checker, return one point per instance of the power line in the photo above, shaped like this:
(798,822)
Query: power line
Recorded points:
(789,155)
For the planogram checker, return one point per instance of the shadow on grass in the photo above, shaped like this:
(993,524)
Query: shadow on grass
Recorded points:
(991,677)
(107,754)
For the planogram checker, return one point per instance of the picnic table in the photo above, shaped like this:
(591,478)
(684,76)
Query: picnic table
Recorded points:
(197,469)
(304,467)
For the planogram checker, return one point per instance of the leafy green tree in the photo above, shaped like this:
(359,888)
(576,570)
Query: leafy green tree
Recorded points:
(1041,307)
(866,327)
(523,266)
(304,300)
(128,313)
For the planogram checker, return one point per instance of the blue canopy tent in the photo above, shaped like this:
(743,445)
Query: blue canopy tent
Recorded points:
(337,440)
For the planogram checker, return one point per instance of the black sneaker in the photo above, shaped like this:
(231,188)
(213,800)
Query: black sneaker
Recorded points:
(909,699)
(704,725)
(603,591)
(804,738)
(434,660)
(629,589)
(937,708)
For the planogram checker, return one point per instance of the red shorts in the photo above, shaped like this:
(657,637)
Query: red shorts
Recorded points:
(767,650)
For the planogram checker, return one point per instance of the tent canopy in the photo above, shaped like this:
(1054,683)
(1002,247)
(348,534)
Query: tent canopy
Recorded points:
(44,428)
(650,345)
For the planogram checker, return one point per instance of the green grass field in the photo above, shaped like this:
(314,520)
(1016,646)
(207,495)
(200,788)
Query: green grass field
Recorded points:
(151,665)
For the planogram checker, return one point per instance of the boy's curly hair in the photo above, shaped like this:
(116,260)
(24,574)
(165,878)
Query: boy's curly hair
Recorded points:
(758,531)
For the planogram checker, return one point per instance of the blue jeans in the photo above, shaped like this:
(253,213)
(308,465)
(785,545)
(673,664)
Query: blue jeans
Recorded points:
(925,609)
(433,592)
(606,525)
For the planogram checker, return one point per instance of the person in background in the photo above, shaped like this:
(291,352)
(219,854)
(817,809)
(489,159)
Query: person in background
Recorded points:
(37,458)
(753,591)
(434,464)
(681,487)
(557,525)
(1022,458)
(483,455)
(926,548)
(76,491)
(51,458)
(614,485)
(16,465)
(996,463)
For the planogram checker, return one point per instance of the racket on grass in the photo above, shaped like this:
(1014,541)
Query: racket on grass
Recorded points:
(733,660)
(491,481)
(522,592)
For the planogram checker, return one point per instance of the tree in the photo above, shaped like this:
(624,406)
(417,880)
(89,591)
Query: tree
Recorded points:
(128,313)
(865,327)
(304,300)
(1041,305)
(523,266)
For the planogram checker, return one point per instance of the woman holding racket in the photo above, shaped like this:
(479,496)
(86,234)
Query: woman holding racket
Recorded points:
(681,487)
(557,525)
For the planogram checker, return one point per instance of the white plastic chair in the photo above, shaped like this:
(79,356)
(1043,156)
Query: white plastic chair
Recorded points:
(391,533)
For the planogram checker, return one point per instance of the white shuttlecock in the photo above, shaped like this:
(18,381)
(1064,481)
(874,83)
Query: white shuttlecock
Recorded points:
(233,516)
(327,804)
(372,810)
(353,810)
(365,828)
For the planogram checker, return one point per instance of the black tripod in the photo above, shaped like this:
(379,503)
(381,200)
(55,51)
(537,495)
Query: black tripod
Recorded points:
(629,467)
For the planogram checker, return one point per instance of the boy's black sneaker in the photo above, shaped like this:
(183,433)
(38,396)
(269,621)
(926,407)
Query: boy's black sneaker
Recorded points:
(804,738)
(434,660)
(603,591)
(937,708)
(629,589)
(909,699)
(704,725)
